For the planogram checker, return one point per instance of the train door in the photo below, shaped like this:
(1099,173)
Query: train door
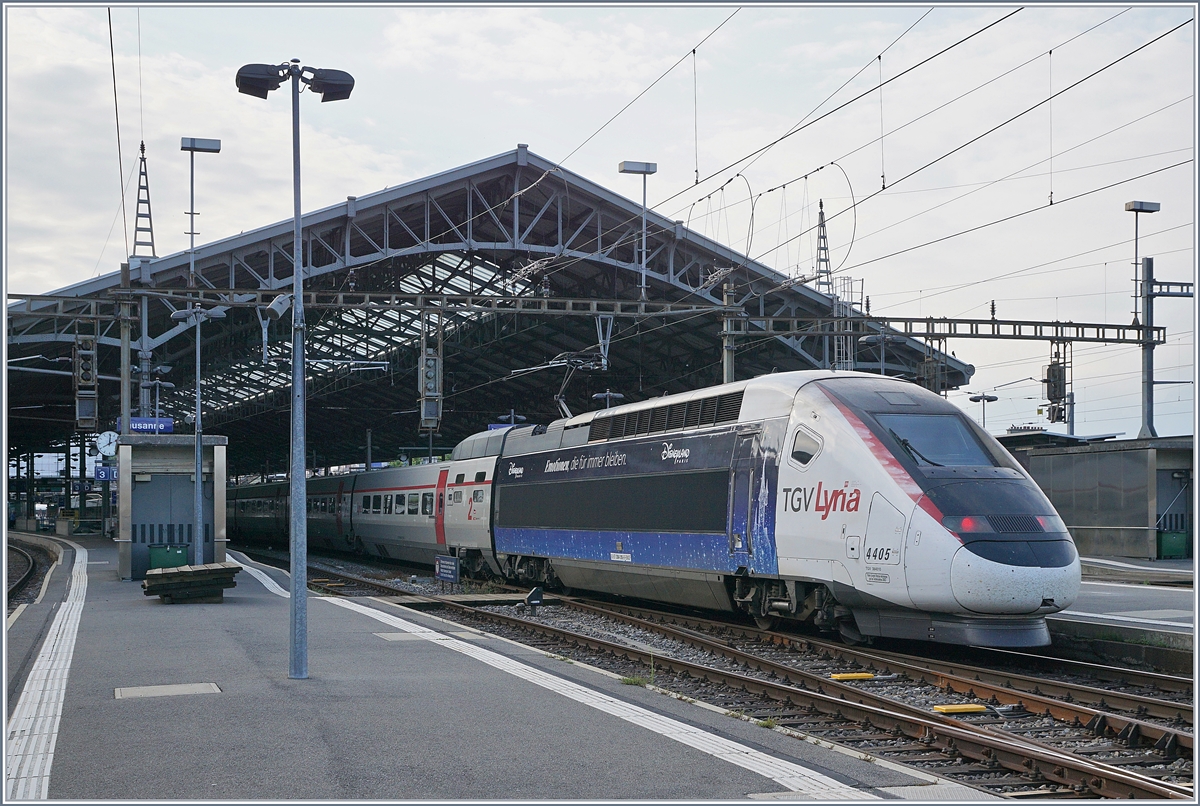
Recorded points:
(741,482)
(439,511)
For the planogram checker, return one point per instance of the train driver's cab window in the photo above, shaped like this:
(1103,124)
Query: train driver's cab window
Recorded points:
(387,505)
(936,440)
(413,499)
(481,476)
(375,504)
(805,446)
(426,503)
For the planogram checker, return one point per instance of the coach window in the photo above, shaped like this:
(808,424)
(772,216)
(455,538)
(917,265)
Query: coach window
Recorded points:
(387,505)
(481,476)
(413,499)
(375,504)
(805,446)
(459,478)
(426,503)
(366,504)
(399,503)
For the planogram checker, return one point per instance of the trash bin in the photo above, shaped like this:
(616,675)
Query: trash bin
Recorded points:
(1173,546)
(168,556)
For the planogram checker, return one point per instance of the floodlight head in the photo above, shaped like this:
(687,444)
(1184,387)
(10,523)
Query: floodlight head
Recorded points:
(181,314)
(200,144)
(333,85)
(279,306)
(983,398)
(630,167)
(1142,207)
(259,79)
(214,313)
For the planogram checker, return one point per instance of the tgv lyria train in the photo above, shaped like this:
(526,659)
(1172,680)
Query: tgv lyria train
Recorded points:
(866,505)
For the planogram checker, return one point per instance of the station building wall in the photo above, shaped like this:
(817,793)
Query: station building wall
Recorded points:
(1121,498)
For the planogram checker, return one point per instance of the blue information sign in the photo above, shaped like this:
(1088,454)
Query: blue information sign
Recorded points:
(150,425)
(104,473)
(445,568)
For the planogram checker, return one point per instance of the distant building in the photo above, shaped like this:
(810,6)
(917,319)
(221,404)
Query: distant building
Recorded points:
(1119,497)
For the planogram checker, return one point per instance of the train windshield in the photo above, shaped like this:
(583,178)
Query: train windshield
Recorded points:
(936,440)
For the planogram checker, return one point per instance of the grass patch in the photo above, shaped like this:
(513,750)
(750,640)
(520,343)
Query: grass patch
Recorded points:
(767,723)
(634,681)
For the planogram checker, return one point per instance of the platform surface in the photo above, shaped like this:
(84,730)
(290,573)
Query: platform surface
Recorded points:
(193,701)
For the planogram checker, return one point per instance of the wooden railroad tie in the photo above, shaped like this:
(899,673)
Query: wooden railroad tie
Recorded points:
(200,584)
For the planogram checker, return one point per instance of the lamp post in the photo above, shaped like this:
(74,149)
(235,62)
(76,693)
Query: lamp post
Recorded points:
(882,340)
(332,85)
(645,169)
(199,315)
(204,146)
(156,385)
(984,399)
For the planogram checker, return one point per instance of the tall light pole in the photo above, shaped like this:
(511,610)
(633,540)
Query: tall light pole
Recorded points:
(199,315)
(333,85)
(645,169)
(984,399)
(204,146)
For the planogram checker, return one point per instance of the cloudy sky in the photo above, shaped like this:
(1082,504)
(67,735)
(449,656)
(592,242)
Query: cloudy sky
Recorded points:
(964,219)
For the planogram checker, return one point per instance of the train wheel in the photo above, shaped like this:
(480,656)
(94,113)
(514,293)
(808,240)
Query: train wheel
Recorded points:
(766,622)
(849,633)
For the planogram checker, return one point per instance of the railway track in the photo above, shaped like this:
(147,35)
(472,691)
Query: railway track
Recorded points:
(21,567)
(1012,749)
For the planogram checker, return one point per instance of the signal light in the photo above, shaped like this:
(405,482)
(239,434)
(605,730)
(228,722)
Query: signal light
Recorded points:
(85,363)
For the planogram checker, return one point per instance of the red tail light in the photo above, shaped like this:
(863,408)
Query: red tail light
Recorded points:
(964,524)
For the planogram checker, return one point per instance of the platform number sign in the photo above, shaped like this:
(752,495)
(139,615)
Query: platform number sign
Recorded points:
(445,568)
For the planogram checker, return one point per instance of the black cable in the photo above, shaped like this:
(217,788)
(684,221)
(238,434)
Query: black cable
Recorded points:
(1024,112)
(643,92)
(112,53)
(899,75)
(1018,215)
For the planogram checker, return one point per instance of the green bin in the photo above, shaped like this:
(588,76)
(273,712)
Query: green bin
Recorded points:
(1173,546)
(168,556)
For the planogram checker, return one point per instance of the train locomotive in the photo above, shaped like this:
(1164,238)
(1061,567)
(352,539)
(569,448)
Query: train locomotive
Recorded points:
(865,505)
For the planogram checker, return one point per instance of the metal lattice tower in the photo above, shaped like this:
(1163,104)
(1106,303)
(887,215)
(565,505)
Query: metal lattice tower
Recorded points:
(824,282)
(143,210)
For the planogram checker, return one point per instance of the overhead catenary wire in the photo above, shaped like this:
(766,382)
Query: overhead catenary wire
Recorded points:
(652,85)
(117,114)
(831,95)
(838,108)
(1019,115)
(961,96)
(976,89)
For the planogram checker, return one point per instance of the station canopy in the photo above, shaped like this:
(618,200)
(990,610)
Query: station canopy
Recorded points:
(528,272)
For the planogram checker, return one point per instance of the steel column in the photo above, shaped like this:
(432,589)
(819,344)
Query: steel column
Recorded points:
(298,660)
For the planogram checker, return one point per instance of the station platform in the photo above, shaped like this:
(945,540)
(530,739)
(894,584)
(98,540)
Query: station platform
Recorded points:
(1131,610)
(116,695)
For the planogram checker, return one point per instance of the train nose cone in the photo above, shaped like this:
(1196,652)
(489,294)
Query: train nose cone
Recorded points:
(984,586)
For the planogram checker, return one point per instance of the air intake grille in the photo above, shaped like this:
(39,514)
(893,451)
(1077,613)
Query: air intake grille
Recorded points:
(1014,523)
(715,410)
